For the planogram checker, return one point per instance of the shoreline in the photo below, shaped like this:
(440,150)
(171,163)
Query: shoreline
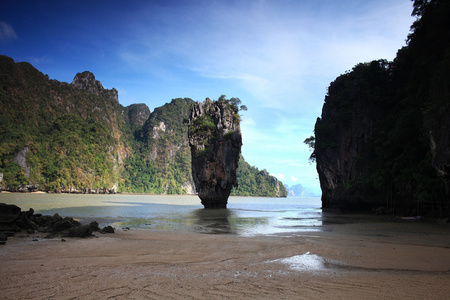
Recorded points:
(127,193)
(370,260)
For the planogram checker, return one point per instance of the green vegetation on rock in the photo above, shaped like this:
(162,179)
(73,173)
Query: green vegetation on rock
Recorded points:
(160,162)
(252,181)
(76,137)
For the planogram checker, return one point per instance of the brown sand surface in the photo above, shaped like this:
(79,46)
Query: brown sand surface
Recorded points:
(363,260)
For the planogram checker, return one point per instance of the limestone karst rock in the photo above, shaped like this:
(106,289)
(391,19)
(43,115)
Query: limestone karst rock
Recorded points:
(215,140)
(82,140)
(344,134)
(86,81)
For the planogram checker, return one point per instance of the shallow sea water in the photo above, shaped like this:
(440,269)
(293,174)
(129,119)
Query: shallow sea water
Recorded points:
(303,262)
(245,216)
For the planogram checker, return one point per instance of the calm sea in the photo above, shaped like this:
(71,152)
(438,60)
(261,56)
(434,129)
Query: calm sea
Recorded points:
(246,216)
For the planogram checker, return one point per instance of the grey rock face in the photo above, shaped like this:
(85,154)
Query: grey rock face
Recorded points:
(137,114)
(21,160)
(86,81)
(215,140)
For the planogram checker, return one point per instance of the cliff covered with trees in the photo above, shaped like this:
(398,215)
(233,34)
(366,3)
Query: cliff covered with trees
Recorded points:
(76,137)
(383,140)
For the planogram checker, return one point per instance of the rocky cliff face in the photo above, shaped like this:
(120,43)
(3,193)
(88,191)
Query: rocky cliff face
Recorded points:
(137,114)
(77,138)
(215,140)
(164,138)
(383,140)
(86,81)
(440,145)
(437,120)
(384,135)
(76,133)
(432,84)
(21,160)
(344,133)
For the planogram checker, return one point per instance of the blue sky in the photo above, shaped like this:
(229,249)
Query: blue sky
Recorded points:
(277,56)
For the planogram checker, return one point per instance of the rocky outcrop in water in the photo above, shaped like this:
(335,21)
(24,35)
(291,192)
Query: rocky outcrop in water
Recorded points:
(13,219)
(215,140)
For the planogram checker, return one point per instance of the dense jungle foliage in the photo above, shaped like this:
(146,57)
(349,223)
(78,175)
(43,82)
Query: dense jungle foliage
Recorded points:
(401,108)
(252,181)
(78,138)
(69,144)
(161,159)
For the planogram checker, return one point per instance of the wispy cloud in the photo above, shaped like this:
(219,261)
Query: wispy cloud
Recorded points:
(273,53)
(7,32)
(39,60)
(270,52)
(282,56)
(279,176)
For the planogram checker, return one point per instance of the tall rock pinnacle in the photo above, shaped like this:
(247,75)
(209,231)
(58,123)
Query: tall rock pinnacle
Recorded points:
(215,140)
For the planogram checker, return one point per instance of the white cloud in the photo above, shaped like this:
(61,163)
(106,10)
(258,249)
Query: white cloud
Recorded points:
(283,57)
(280,176)
(40,60)
(272,50)
(272,54)
(7,32)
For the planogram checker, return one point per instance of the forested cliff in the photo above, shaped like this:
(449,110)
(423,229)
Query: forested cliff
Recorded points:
(76,137)
(383,140)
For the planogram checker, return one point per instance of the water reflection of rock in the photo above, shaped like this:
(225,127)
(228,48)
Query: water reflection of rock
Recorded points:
(214,221)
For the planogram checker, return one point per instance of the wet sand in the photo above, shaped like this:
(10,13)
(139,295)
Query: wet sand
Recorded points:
(359,260)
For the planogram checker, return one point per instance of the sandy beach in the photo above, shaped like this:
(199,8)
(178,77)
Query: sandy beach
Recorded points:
(362,260)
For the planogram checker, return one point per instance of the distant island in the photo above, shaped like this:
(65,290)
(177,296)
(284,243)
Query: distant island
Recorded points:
(298,190)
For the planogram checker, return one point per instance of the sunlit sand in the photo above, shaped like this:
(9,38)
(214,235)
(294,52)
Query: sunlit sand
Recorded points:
(373,260)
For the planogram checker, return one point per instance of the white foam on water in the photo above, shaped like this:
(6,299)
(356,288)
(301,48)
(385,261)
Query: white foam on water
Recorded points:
(304,262)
